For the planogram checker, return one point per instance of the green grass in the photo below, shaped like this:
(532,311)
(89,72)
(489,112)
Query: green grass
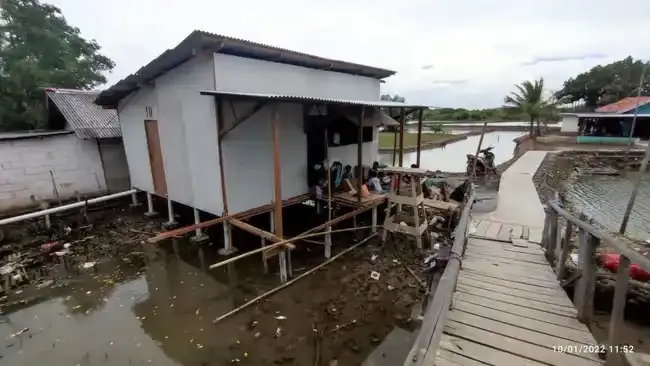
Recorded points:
(387,139)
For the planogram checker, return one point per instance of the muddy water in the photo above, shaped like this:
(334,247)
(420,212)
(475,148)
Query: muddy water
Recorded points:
(605,199)
(453,157)
(162,315)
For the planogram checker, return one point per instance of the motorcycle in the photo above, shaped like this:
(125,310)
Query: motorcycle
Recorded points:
(485,163)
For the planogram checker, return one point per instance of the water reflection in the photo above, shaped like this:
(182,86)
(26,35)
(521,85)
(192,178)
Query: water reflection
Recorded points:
(452,158)
(605,198)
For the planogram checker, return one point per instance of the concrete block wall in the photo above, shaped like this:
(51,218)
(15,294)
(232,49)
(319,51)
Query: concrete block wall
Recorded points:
(25,166)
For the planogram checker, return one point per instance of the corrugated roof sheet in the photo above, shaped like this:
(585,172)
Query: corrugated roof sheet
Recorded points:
(30,134)
(624,105)
(307,99)
(87,119)
(605,115)
(199,41)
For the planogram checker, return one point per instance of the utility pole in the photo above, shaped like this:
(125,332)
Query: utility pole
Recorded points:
(644,162)
(636,112)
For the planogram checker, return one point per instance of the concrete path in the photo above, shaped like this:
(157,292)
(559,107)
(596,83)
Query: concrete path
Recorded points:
(517,200)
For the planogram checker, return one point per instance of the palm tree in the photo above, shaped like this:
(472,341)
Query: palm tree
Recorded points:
(529,99)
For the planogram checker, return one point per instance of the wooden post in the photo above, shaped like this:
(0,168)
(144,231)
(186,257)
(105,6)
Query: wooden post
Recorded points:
(328,236)
(401,137)
(472,174)
(417,159)
(587,283)
(617,322)
(360,155)
(277,184)
(263,244)
(374,219)
(560,266)
(552,235)
(547,225)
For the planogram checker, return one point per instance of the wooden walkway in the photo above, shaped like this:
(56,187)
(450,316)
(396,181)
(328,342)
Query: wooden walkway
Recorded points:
(508,308)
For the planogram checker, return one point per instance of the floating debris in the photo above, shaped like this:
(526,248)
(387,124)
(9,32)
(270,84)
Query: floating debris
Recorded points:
(278,332)
(25,330)
(280,317)
(374,275)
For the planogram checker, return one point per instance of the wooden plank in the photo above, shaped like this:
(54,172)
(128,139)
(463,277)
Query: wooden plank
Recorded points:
(497,269)
(523,294)
(523,243)
(511,278)
(518,262)
(493,230)
(514,300)
(532,313)
(448,358)
(577,335)
(557,291)
(519,333)
(510,255)
(483,353)
(517,231)
(515,346)
(481,228)
(508,247)
(504,232)
(535,236)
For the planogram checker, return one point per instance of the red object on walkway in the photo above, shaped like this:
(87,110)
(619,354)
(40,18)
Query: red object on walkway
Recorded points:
(612,260)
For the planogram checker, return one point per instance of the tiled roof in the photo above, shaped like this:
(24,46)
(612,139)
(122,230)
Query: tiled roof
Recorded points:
(87,119)
(624,105)
(199,41)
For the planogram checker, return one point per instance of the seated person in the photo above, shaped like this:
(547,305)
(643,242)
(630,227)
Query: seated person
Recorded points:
(459,193)
(374,184)
(407,178)
(347,172)
(384,180)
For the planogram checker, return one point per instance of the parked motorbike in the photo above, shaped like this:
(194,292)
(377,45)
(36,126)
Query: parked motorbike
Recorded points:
(484,165)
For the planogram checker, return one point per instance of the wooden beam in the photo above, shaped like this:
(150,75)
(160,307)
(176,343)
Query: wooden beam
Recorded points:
(259,232)
(256,108)
(360,155)
(240,216)
(417,159)
(219,114)
(401,137)
(277,175)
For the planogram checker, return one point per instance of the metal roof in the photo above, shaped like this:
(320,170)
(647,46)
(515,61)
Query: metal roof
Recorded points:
(307,99)
(30,134)
(624,105)
(199,41)
(605,115)
(87,119)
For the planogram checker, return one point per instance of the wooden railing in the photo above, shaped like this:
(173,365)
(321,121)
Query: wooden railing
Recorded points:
(557,252)
(426,345)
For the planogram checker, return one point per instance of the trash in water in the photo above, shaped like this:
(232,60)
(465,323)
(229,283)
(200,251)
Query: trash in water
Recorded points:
(19,333)
(199,346)
(391,287)
(374,256)
(374,275)
(278,332)
(574,258)
(257,335)
(280,317)
(88,265)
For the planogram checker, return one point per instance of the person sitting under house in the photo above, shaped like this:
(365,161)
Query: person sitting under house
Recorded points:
(347,172)
(374,184)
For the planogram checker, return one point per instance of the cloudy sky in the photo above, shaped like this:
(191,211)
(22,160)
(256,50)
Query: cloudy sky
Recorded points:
(452,53)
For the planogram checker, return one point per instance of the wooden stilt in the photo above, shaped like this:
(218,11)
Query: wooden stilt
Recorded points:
(360,155)
(417,157)
(277,184)
(328,236)
(374,220)
(401,137)
(264,262)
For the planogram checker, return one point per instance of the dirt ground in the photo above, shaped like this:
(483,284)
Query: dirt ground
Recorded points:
(155,306)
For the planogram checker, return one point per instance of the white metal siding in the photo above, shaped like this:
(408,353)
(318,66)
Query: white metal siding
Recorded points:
(569,124)
(238,74)
(188,133)
(25,167)
(248,158)
(132,114)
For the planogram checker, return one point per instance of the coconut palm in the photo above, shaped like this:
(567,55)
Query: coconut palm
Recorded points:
(529,99)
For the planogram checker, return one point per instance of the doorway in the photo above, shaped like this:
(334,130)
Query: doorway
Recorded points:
(316,152)
(155,157)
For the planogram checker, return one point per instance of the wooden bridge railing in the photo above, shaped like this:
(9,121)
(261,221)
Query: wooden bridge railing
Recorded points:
(426,345)
(557,251)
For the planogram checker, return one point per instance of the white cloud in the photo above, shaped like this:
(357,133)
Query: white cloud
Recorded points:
(458,53)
